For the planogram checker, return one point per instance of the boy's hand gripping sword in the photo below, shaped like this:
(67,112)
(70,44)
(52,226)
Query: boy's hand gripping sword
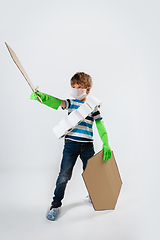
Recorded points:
(19,65)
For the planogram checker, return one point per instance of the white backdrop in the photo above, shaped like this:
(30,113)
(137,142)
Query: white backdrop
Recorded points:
(117,43)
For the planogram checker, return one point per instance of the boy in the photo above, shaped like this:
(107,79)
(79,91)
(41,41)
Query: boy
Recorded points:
(78,142)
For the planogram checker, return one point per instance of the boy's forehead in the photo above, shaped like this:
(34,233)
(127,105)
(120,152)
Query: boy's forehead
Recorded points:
(79,84)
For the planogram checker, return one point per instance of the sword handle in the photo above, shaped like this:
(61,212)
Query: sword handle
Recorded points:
(37,95)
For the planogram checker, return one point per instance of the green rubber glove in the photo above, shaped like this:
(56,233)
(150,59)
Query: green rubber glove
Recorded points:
(48,100)
(104,137)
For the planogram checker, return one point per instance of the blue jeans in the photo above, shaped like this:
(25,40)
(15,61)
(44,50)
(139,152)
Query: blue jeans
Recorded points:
(71,151)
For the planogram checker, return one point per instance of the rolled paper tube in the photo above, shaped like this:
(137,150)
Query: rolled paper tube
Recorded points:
(58,131)
(74,117)
(93,102)
(84,110)
(66,124)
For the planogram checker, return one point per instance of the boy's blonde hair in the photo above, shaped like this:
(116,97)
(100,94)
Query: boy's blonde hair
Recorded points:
(82,78)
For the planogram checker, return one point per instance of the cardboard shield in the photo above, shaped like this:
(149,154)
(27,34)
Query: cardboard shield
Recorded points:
(103,182)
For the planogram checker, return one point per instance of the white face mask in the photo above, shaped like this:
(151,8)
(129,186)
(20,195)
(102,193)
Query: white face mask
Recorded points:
(78,93)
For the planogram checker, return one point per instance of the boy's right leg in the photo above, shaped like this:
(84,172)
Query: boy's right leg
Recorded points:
(70,154)
(68,162)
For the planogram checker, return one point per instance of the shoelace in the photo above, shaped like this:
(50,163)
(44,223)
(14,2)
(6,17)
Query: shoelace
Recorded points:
(55,209)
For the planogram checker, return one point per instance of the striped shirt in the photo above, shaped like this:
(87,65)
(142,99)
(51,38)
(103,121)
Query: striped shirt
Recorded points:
(83,132)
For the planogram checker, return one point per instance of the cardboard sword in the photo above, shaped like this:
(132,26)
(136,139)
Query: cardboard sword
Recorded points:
(19,65)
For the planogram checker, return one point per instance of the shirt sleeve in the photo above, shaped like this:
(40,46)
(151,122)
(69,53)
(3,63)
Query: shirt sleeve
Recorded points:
(96,114)
(67,104)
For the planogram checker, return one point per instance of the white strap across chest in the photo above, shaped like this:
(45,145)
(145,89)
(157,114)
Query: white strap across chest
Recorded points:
(75,117)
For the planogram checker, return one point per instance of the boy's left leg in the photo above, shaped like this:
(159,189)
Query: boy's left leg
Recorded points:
(87,151)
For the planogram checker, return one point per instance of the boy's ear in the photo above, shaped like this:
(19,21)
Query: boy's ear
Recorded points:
(88,90)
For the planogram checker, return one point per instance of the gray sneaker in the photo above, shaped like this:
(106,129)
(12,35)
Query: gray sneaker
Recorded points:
(53,213)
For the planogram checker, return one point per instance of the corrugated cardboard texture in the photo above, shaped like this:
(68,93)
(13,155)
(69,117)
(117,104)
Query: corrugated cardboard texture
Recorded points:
(103,182)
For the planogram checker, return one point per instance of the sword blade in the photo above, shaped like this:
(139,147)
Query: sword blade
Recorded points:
(20,67)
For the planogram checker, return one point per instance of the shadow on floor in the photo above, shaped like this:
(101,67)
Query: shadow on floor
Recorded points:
(66,208)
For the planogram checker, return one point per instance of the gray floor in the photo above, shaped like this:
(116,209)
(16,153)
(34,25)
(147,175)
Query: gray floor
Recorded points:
(27,194)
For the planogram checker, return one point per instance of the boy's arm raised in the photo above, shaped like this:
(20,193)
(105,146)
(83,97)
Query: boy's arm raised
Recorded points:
(48,100)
